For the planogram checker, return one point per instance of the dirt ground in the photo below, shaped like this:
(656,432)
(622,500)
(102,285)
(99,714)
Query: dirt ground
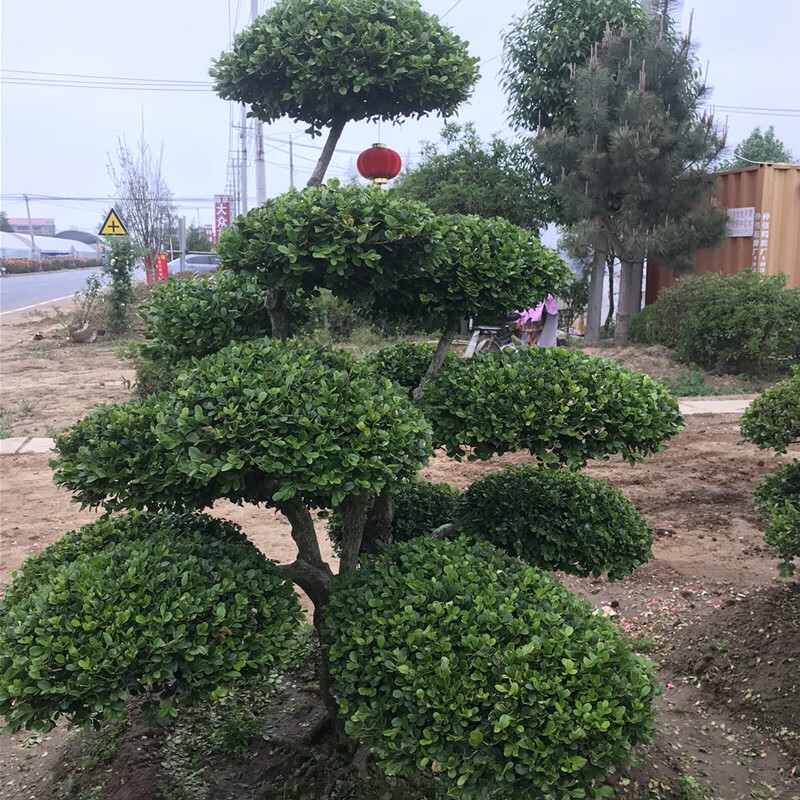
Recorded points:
(709,607)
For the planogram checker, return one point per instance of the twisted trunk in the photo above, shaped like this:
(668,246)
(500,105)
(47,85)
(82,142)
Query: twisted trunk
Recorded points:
(378,526)
(275,304)
(449,333)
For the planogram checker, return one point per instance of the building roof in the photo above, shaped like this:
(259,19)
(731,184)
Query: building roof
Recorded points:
(79,236)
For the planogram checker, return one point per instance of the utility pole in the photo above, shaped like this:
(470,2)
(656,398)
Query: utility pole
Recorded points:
(261,176)
(182,241)
(30,228)
(291,163)
(243,163)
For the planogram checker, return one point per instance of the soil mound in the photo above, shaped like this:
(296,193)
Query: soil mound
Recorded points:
(747,657)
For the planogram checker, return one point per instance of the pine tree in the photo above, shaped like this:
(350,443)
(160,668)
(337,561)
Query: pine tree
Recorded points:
(637,164)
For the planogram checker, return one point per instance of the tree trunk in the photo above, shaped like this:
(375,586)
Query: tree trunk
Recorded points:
(275,303)
(318,175)
(449,333)
(624,304)
(595,307)
(610,315)
(636,288)
(353,511)
(378,527)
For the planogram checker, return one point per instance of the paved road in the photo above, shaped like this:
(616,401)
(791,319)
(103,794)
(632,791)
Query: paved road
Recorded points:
(20,292)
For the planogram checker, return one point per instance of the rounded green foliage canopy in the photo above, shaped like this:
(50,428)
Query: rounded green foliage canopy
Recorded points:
(327,61)
(262,421)
(195,317)
(178,607)
(773,419)
(557,520)
(456,659)
(349,239)
(488,267)
(563,406)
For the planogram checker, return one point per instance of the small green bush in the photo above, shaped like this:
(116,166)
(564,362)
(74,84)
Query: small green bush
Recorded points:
(405,363)
(778,499)
(177,607)
(647,328)
(557,520)
(773,419)
(779,488)
(456,659)
(563,406)
(419,508)
(783,536)
(741,323)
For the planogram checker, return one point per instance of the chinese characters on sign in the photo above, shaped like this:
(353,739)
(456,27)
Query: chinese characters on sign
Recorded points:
(741,221)
(222,213)
(761,241)
(210,234)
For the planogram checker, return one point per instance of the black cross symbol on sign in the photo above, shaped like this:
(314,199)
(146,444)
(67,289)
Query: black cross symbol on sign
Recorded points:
(113,225)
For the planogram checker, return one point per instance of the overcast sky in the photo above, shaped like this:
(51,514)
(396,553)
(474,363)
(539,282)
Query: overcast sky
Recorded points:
(57,140)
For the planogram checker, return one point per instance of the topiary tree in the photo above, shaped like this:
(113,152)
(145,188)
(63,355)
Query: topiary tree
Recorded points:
(772,421)
(297,427)
(327,62)
(176,607)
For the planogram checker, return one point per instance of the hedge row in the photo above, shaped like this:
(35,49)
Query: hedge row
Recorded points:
(22,266)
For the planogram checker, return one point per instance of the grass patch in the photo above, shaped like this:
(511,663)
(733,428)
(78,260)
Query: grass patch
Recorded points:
(5,423)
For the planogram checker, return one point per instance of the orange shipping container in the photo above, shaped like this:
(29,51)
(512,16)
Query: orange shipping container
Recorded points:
(763,203)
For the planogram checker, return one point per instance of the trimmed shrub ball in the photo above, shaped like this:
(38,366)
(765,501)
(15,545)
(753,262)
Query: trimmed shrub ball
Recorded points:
(175,606)
(562,406)
(773,419)
(455,659)
(557,520)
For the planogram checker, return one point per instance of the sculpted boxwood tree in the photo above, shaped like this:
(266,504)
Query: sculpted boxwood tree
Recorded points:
(297,427)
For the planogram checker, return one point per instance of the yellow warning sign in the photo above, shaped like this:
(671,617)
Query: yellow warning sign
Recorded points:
(113,225)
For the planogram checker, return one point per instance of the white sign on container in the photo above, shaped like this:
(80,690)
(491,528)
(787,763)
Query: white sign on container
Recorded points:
(741,220)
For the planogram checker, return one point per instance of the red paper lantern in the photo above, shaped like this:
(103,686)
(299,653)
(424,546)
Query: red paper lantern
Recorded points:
(379,164)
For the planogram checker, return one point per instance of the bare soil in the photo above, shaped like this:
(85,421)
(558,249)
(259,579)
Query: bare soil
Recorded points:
(709,607)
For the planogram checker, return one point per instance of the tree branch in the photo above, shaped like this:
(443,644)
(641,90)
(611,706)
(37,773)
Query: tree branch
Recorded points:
(303,532)
(449,333)
(275,304)
(314,580)
(325,157)
(353,511)
(443,531)
(378,527)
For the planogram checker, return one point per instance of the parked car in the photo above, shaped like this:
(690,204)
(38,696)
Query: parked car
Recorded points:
(199,262)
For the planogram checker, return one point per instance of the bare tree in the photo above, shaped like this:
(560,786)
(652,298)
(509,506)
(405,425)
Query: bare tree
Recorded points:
(143,199)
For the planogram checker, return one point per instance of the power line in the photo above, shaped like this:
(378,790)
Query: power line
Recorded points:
(457,2)
(117,78)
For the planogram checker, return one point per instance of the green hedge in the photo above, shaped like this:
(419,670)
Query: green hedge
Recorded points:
(461,661)
(557,520)
(740,323)
(778,499)
(563,406)
(23,266)
(176,607)
(419,508)
(779,488)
